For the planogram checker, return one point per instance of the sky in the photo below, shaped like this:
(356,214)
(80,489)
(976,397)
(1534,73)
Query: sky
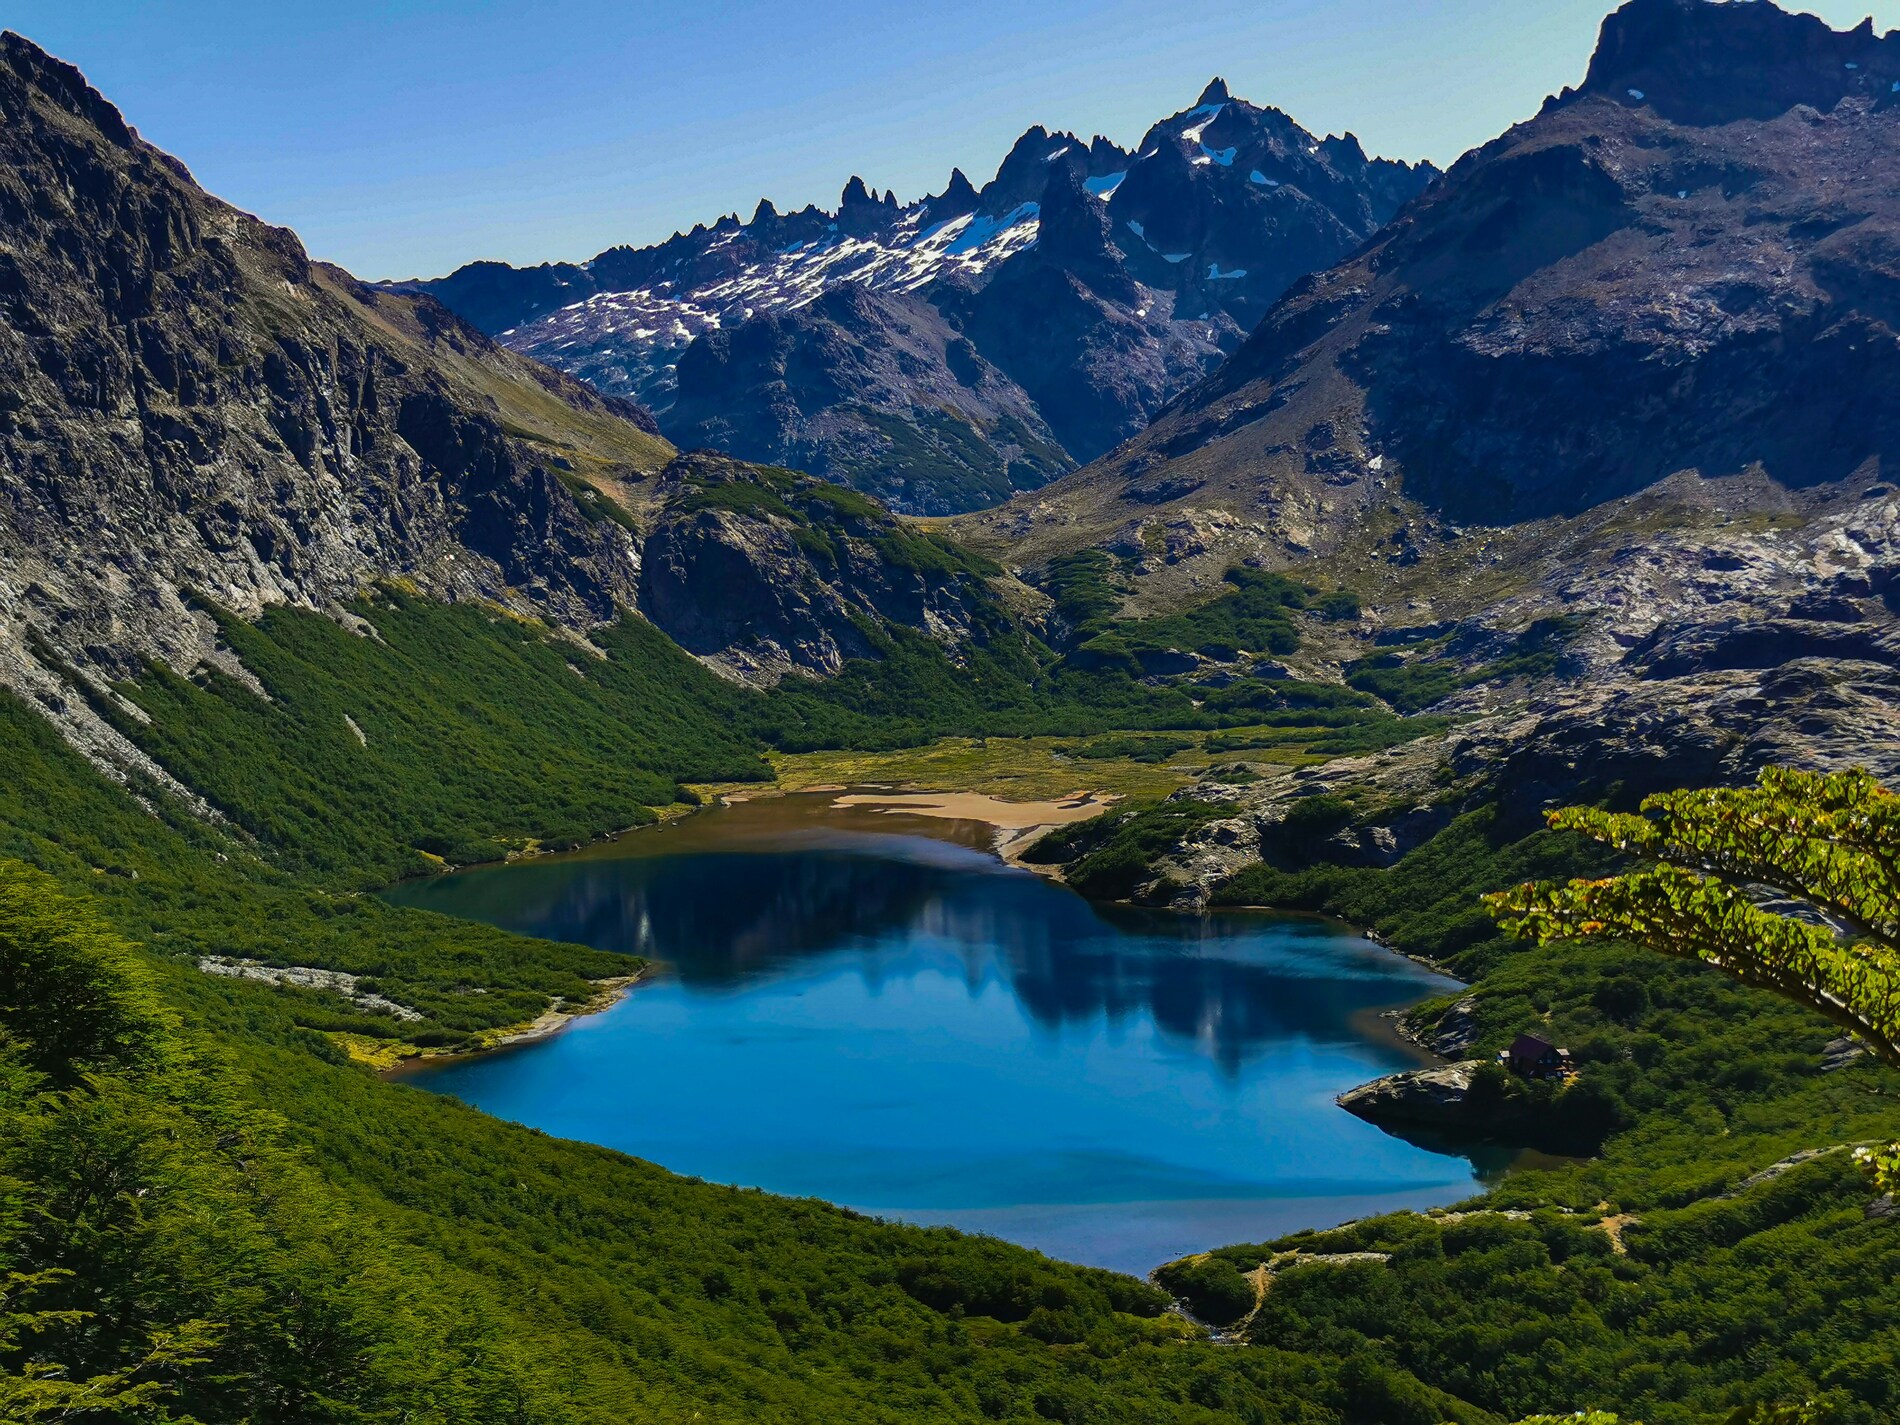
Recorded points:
(406,137)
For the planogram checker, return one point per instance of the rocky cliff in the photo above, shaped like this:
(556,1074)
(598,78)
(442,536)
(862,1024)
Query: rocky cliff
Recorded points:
(761,571)
(192,411)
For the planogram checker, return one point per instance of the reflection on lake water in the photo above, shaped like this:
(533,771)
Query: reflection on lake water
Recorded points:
(897,1022)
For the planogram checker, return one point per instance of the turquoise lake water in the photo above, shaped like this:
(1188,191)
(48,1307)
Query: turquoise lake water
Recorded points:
(856,1010)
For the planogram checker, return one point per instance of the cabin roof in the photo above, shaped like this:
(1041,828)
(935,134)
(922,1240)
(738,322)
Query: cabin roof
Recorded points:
(1530,1046)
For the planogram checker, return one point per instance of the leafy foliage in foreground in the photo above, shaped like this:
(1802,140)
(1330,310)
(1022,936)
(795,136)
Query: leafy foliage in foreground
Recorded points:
(163,1244)
(1831,842)
(1733,1292)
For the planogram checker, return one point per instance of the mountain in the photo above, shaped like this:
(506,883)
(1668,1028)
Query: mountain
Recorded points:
(945,353)
(1611,401)
(1689,263)
(192,410)
(198,423)
(862,386)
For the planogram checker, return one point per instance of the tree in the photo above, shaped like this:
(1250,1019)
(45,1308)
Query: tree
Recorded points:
(134,1390)
(1711,863)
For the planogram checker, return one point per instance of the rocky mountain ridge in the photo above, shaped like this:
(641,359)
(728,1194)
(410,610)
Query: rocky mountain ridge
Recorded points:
(1001,334)
(1685,265)
(196,416)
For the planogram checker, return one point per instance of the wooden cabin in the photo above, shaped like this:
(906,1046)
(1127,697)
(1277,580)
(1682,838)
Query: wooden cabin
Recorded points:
(1534,1057)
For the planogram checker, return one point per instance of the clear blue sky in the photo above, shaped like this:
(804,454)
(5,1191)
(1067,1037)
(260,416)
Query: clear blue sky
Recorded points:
(405,137)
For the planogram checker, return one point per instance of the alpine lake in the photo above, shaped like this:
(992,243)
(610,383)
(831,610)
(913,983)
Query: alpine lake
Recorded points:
(863,1004)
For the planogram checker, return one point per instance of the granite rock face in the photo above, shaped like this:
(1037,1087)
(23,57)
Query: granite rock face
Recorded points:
(191,411)
(1425,1098)
(760,572)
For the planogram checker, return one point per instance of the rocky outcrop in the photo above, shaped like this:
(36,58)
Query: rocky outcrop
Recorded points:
(1091,282)
(871,389)
(192,412)
(761,571)
(1841,1052)
(1453,1034)
(1436,1098)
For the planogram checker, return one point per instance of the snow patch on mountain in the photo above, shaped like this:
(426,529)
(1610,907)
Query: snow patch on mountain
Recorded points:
(630,341)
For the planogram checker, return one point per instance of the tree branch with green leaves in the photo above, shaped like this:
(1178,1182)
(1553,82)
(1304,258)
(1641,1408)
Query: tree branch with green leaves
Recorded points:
(1716,871)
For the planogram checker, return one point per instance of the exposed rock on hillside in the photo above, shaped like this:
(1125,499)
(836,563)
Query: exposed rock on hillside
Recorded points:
(1074,294)
(189,407)
(871,389)
(1695,658)
(761,571)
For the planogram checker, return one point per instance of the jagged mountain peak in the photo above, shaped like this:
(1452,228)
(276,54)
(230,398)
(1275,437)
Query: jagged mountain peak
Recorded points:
(1132,271)
(1074,233)
(1215,93)
(958,200)
(1025,170)
(959,188)
(1630,292)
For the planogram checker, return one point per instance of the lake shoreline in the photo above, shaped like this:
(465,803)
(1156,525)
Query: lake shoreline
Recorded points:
(550,1022)
(1017,826)
(1225,1057)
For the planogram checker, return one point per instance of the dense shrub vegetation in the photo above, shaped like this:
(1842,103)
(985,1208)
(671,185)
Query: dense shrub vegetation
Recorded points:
(1118,674)
(1413,684)
(210,1212)
(1726,1292)
(258,1235)
(1109,855)
(454,731)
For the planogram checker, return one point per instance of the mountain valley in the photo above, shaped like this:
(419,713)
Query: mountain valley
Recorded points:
(1308,525)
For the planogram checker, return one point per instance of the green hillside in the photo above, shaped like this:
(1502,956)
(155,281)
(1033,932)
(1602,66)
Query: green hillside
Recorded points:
(257,1228)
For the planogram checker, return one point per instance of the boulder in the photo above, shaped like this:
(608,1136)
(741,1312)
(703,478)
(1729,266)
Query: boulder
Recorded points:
(1430,1098)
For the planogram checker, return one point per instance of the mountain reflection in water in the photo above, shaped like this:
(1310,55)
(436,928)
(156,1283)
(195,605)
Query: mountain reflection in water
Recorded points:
(899,1022)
